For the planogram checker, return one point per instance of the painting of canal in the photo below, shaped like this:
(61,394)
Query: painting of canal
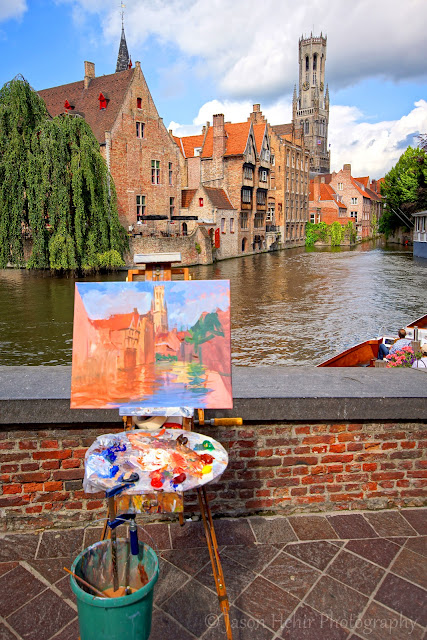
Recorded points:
(150,344)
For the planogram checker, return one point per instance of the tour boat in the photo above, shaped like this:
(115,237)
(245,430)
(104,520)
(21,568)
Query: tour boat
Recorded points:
(365,353)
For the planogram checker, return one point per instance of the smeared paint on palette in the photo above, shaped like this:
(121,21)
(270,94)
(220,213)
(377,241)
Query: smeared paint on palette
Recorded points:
(171,461)
(146,344)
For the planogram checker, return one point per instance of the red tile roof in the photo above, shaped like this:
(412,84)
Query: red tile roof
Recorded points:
(364,181)
(259,131)
(187,196)
(237,137)
(119,321)
(187,144)
(364,193)
(219,198)
(86,103)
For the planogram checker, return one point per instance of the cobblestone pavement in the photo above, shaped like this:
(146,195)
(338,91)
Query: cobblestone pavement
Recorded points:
(338,576)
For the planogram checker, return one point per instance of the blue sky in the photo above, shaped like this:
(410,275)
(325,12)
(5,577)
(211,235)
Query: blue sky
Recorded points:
(202,57)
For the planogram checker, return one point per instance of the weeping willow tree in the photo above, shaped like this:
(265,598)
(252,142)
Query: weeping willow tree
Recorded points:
(54,182)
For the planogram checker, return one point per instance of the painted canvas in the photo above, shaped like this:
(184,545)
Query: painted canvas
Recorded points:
(152,344)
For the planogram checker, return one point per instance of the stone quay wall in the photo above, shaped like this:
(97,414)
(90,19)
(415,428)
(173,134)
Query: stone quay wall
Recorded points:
(296,452)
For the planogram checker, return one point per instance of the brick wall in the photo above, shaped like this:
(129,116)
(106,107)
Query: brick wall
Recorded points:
(273,467)
(186,245)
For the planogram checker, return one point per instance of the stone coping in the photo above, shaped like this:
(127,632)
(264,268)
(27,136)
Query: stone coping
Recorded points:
(40,395)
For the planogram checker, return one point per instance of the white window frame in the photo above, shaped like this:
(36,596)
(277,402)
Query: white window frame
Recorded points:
(155,172)
(139,129)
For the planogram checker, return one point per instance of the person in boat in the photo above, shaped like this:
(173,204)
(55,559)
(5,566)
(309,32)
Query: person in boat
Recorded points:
(422,362)
(402,341)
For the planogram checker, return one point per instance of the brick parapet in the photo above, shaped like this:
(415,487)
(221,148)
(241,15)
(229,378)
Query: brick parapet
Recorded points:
(279,467)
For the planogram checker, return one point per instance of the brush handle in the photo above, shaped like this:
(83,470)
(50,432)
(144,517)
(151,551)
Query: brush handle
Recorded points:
(86,584)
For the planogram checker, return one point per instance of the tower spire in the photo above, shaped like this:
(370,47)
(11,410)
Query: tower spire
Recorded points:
(123,59)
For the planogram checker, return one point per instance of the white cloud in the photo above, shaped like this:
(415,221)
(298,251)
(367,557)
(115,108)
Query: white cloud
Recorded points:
(12,9)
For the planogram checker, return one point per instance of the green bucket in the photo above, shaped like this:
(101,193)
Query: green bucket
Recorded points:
(115,618)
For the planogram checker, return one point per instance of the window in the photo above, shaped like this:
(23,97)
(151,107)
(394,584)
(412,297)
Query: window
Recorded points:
(246,196)
(342,213)
(272,160)
(263,175)
(170,173)
(197,151)
(353,214)
(287,158)
(200,202)
(270,212)
(171,207)
(139,103)
(307,64)
(139,129)
(155,172)
(260,197)
(140,208)
(315,62)
(222,225)
(248,172)
(354,201)
(307,127)
(231,225)
(244,220)
(340,186)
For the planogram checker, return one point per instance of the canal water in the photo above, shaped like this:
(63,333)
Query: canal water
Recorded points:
(294,307)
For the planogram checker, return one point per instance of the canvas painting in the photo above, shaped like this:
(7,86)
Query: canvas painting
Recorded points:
(152,344)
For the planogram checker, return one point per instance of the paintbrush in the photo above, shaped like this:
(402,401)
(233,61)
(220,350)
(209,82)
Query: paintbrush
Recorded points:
(86,584)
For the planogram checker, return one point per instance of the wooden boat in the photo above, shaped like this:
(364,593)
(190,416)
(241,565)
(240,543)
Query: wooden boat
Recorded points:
(365,353)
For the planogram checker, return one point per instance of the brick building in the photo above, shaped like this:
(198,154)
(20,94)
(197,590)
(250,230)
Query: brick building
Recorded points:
(233,158)
(142,158)
(340,197)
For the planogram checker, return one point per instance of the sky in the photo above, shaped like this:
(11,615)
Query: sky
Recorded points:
(202,57)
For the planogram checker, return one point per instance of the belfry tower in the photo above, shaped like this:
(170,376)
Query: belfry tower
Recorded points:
(310,108)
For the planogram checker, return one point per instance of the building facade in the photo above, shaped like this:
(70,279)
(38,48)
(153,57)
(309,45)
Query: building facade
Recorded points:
(310,106)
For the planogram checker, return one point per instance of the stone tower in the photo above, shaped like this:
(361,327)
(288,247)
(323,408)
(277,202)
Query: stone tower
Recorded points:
(310,108)
(159,310)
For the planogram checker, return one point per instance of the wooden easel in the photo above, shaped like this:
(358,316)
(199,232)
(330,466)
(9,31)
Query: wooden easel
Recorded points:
(159,267)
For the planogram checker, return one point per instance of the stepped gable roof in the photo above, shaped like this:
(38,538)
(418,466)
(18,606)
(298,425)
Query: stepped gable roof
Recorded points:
(219,198)
(364,181)
(187,144)
(237,138)
(187,196)
(259,131)
(85,101)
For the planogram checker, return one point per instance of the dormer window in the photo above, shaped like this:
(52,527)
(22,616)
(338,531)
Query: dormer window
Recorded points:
(197,151)
(102,101)
(68,106)
(139,103)
(200,202)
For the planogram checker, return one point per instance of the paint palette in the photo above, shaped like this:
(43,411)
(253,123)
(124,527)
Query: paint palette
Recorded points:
(169,460)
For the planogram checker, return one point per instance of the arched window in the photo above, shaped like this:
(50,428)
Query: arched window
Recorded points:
(244,244)
(307,64)
(315,62)
(307,127)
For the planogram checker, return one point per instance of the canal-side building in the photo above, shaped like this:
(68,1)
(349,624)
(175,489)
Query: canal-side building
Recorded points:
(325,204)
(142,158)
(420,234)
(235,159)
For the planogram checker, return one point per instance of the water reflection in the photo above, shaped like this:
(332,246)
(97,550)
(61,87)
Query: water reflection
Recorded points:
(291,307)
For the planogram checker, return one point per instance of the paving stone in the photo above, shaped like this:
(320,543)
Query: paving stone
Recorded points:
(5,634)
(189,560)
(42,617)
(188,536)
(65,588)
(51,568)
(59,544)
(254,557)
(16,588)
(267,602)
(236,576)
(312,527)
(69,633)
(379,551)
(389,523)
(337,601)
(92,535)
(355,572)
(170,580)
(378,623)
(21,546)
(403,597)
(162,627)
(155,535)
(411,566)
(308,624)
(233,532)
(191,605)
(7,566)
(398,540)
(351,526)
(317,554)
(272,530)
(290,574)
(417,545)
(243,626)
(417,518)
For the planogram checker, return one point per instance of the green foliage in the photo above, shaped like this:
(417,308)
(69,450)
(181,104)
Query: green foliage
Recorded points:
(54,180)
(198,247)
(207,327)
(404,188)
(335,232)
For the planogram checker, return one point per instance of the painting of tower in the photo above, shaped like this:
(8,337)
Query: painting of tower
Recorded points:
(310,107)
(159,309)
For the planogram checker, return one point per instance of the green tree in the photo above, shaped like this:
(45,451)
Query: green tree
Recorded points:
(206,328)
(404,189)
(54,181)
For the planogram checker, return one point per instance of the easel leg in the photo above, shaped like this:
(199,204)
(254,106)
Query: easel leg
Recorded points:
(215,559)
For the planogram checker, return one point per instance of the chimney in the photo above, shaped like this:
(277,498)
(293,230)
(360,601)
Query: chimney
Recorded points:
(89,73)
(256,107)
(347,167)
(219,137)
